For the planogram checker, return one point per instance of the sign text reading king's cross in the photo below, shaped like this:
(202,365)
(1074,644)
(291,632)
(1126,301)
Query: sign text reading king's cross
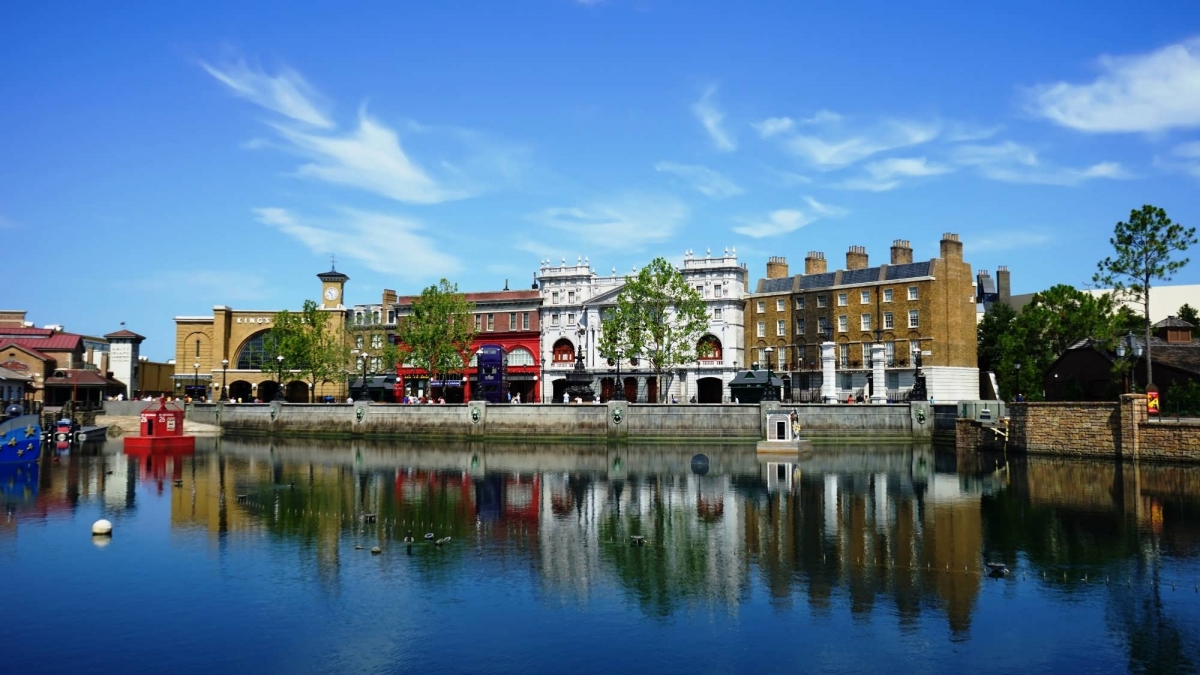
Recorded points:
(253,319)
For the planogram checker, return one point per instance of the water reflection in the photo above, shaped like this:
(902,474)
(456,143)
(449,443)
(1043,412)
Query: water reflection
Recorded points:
(881,534)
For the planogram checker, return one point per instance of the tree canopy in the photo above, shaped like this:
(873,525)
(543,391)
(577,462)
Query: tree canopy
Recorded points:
(436,336)
(659,317)
(1190,315)
(1144,253)
(308,343)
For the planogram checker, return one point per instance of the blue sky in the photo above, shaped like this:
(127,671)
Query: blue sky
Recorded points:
(159,159)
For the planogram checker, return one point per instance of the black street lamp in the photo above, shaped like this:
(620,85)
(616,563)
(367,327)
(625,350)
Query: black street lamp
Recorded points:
(769,394)
(279,375)
(619,393)
(1125,345)
(224,367)
(195,377)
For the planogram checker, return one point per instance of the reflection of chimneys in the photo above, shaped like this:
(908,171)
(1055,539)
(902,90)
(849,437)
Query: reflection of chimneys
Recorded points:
(951,247)
(856,258)
(814,263)
(901,252)
(1002,288)
(777,267)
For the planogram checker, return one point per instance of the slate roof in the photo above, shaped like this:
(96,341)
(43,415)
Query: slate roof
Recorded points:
(781,285)
(1181,356)
(863,276)
(908,271)
(811,281)
(1172,322)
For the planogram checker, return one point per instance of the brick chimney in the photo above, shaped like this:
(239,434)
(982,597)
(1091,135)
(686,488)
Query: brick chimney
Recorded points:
(777,267)
(1002,287)
(901,252)
(856,258)
(951,247)
(389,297)
(814,263)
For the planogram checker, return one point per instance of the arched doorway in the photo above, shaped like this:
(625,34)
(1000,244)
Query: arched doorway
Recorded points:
(651,390)
(607,389)
(240,389)
(709,348)
(296,392)
(564,351)
(560,388)
(710,390)
(631,389)
(266,390)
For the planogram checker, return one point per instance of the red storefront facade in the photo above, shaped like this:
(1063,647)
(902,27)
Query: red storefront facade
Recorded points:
(505,318)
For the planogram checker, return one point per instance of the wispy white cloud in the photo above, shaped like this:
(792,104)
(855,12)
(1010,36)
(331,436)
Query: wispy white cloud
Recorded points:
(787,178)
(1012,162)
(704,180)
(711,117)
(625,222)
(1150,92)
(286,92)
(887,174)
(999,153)
(773,126)
(369,158)
(822,117)
(783,221)
(384,243)
(834,152)
(958,132)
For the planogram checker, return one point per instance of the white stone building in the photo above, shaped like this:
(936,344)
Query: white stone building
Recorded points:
(574,297)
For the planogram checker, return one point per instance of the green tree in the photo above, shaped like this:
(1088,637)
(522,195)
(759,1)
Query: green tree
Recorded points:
(436,336)
(659,317)
(1144,248)
(1190,315)
(308,344)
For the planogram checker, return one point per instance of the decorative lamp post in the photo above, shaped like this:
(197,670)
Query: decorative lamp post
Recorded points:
(279,376)
(1018,367)
(619,393)
(919,392)
(769,394)
(364,357)
(195,376)
(1126,344)
(224,367)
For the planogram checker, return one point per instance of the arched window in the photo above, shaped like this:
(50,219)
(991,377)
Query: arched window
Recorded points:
(197,348)
(564,351)
(709,348)
(519,356)
(253,353)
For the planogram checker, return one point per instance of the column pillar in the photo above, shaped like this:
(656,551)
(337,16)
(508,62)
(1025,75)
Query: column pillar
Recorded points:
(828,390)
(879,393)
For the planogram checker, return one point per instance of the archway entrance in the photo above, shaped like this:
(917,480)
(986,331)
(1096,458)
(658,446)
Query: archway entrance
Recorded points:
(296,392)
(560,388)
(607,389)
(651,390)
(266,390)
(709,390)
(631,389)
(240,389)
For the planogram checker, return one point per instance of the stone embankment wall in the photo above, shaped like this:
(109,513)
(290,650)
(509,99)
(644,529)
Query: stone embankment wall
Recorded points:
(1099,430)
(612,421)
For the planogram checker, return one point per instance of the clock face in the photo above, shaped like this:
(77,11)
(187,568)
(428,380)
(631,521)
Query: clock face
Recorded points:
(331,293)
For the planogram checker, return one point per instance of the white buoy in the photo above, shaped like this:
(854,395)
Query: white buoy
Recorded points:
(101,528)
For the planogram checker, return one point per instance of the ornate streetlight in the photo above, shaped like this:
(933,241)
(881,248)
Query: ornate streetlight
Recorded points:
(279,376)
(364,357)
(195,376)
(1126,344)
(919,392)
(224,367)
(619,393)
(769,394)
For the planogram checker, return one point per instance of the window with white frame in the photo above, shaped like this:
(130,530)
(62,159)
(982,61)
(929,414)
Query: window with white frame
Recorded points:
(570,297)
(762,329)
(864,298)
(843,299)
(554,319)
(888,321)
(913,293)
(762,355)
(799,303)
(866,352)
(822,325)
(799,326)
(887,295)
(782,363)
(512,320)
(865,322)
(391,316)
(780,327)
(491,322)
(843,323)
(700,290)
(358,342)
(847,381)
(717,313)
(822,301)
(844,355)
(376,342)
(478,322)
(780,304)
(893,380)
(376,364)
(913,319)
(519,356)
(889,352)
(554,297)
(762,306)
(570,318)
(718,291)
(524,320)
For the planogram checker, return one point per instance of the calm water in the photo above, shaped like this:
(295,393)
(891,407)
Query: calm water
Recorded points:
(858,560)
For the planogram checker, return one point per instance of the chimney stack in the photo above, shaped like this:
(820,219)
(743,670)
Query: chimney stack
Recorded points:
(814,263)
(1002,287)
(856,258)
(777,267)
(951,247)
(901,252)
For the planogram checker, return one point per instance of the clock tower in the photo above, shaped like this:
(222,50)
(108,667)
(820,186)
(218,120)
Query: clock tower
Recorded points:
(333,284)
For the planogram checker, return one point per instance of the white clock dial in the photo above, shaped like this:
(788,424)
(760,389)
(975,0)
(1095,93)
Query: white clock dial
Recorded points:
(331,293)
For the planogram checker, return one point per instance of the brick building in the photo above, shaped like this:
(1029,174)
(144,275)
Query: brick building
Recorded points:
(507,318)
(928,305)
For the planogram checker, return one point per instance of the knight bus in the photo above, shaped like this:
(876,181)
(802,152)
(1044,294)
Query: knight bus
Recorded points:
(492,363)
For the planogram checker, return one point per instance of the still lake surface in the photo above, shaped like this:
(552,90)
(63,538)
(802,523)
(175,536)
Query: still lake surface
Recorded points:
(245,558)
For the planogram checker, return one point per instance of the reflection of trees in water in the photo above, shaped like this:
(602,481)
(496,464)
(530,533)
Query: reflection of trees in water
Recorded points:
(1155,641)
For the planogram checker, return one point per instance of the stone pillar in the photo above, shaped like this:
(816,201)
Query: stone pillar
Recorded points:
(1132,415)
(828,391)
(879,395)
